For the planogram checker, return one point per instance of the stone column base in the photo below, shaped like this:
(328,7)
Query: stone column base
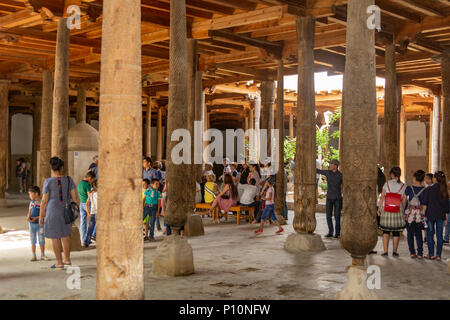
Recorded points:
(194,226)
(356,287)
(174,257)
(298,242)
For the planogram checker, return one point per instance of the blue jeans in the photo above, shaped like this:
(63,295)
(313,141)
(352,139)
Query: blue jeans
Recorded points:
(269,210)
(447,229)
(83,222)
(91,230)
(435,227)
(151,212)
(337,205)
(37,232)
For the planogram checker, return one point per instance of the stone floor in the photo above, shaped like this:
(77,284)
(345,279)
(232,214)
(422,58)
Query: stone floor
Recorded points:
(231,263)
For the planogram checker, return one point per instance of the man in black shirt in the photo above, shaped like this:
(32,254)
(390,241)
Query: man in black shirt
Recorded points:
(334,197)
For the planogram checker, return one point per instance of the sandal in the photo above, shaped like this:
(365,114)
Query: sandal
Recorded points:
(55,267)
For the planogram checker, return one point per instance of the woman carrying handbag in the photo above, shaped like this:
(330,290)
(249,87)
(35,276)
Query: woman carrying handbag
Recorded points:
(59,194)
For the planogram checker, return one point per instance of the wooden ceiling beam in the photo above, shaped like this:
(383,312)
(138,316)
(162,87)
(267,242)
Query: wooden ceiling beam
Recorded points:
(395,12)
(419,6)
(429,24)
(274,49)
(237,4)
(200,28)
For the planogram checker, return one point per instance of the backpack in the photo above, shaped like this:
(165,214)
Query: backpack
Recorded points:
(413,212)
(392,201)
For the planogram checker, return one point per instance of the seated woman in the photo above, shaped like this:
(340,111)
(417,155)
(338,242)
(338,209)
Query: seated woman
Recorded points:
(211,188)
(225,199)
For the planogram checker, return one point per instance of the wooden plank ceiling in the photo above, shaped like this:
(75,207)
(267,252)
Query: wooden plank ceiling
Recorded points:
(239,42)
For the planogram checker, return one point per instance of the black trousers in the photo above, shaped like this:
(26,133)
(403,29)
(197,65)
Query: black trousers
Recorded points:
(415,230)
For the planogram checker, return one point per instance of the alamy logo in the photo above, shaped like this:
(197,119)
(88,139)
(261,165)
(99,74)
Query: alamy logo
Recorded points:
(252,145)
(74,281)
(74,19)
(374,20)
(373,277)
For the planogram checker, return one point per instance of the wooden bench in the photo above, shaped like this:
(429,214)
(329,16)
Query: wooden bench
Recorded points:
(202,209)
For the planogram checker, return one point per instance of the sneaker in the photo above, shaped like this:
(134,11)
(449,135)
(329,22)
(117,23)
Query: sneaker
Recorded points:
(44,258)
(279,231)
(329,236)
(384,254)
(446,241)
(395,254)
(337,236)
(33,259)
(258,231)
(373,252)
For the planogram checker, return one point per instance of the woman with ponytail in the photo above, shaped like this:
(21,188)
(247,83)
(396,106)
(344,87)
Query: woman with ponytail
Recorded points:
(436,207)
(391,210)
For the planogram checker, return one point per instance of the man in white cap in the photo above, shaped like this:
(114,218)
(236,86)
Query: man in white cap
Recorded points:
(334,197)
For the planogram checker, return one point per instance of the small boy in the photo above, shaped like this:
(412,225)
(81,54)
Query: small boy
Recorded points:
(91,207)
(145,185)
(269,207)
(152,205)
(36,230)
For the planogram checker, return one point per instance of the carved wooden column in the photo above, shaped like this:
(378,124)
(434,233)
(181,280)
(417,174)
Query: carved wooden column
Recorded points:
(81,104)
(46,127)
(148,128)
(199,114)
(359,149)
(60,123)
(4,127)
(257,116)
(159,135)
(37,112)
(445,69)
(402,134)
(305,159)
(291,125)
(435,123)
(174,256)
(192,64)
(280,190)
(428,142)
(267,115)
(120,265)
(391,126)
